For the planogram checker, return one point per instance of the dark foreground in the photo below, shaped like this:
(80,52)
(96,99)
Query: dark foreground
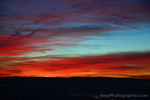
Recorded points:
(27,88)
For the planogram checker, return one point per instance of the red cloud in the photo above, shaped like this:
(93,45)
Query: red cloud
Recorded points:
(115,65)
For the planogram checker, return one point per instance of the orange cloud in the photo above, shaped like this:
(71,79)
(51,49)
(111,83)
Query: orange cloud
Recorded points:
(115,65)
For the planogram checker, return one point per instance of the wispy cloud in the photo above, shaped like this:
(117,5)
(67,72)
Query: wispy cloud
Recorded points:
(69,67)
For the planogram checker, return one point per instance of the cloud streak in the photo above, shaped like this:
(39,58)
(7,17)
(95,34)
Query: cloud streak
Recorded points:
(119,64)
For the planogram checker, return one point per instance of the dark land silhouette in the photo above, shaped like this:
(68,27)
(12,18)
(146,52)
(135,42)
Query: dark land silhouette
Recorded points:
(39,88)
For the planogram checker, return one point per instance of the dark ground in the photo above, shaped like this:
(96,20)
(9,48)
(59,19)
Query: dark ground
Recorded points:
(29,88)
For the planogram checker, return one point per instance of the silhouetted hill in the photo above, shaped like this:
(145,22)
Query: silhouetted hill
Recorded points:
(31,88)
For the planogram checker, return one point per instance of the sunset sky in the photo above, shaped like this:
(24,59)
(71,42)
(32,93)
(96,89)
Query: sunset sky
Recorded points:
(75,38)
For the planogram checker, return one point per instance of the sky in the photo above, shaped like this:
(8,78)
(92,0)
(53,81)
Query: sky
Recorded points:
(75,38)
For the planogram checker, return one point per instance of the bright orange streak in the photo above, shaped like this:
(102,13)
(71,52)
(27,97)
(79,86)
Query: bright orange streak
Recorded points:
(126,65)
